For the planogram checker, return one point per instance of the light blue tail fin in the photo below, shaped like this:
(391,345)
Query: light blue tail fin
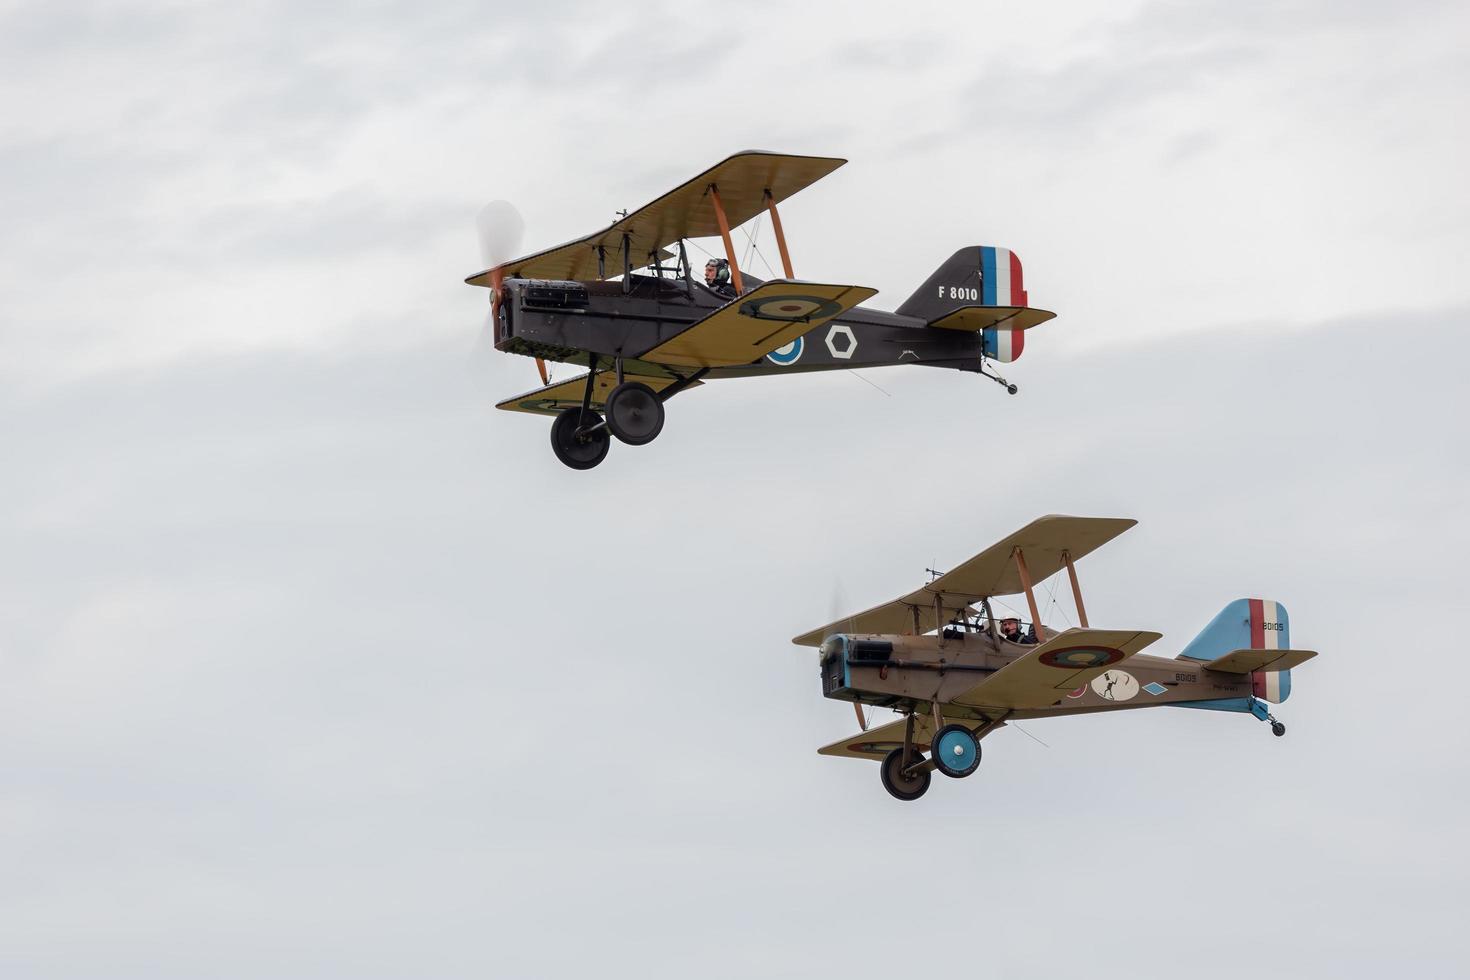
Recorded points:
(1248,624)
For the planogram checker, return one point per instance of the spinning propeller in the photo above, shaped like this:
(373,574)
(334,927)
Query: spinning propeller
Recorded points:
(500,228)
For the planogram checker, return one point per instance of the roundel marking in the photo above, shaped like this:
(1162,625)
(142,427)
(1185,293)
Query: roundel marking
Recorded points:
(846,350)
(790,307)
(789,354)
(1081,658)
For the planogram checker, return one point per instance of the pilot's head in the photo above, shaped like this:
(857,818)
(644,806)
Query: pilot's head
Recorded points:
(716,271)
(1010,625)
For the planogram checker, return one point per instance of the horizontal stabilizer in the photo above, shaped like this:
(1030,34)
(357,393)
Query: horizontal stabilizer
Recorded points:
(553,398)
(1247,661)
(1064,663)
(977,318)
(751,326)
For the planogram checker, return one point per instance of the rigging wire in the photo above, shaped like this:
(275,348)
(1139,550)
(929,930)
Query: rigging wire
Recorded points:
(1033,738)
(854,373)
(1059,607)
(750,240)
(753,246)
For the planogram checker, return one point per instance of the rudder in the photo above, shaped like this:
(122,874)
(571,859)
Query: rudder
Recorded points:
(977,277)
(1248,624)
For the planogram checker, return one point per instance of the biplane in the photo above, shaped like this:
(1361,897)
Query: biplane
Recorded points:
(625,303)
(938,658)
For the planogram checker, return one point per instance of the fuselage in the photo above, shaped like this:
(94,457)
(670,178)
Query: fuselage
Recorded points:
(907,672)
(569,321)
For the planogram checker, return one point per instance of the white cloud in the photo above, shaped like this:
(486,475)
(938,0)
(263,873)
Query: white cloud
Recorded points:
(315,664)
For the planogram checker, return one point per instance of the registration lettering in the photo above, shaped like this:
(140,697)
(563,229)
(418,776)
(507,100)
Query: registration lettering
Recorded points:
(960,292)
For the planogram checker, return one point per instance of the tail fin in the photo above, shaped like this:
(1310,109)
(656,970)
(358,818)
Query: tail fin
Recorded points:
(979,288)
(1248,624)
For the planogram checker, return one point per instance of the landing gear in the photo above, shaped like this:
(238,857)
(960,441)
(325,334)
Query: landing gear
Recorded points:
(579,438)
(901,785)
(1010,388)
(1259,709)
(955,751)
(634,413)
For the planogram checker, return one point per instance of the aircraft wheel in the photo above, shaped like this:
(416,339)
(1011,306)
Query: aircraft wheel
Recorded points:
(634,413)
(955,751)
(578,452)
(898,785)
(1278,729)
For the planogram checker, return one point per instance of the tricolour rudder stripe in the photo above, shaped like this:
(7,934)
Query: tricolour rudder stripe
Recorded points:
(1245,624)
(1248,624)
(1018,287)
(1004,345)
(1001,282)
(1271,685)
(987,275)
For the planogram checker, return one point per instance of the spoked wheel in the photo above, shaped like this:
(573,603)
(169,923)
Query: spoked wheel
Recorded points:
(580,452)
(634,413)
(955,750)
(899,785)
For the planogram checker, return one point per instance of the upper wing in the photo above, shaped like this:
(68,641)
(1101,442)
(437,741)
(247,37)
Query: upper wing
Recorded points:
(898,616)
(1245,661)
(564,394)
(1043,676)
(748,327)
(977,318)
(687,211)
(991,573)
(1043,542)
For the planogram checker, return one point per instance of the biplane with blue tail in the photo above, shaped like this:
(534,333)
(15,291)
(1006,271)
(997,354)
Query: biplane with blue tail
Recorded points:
(625,303)
(939,658)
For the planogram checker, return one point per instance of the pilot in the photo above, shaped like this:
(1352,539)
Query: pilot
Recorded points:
(717,277)
(1010,629)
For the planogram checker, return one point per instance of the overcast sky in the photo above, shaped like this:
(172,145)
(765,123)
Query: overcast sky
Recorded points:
(312,664)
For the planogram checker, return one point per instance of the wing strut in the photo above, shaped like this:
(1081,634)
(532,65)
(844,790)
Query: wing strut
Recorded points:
(1025,575)
(714,193)
(1076,592)
(780,235)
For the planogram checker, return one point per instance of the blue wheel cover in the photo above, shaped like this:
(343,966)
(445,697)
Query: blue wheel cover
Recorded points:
(950,741)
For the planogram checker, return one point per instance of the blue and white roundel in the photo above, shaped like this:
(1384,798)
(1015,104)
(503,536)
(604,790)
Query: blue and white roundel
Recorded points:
(789,354)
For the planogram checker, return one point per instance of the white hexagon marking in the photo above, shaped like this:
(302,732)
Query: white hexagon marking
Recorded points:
(841,330)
